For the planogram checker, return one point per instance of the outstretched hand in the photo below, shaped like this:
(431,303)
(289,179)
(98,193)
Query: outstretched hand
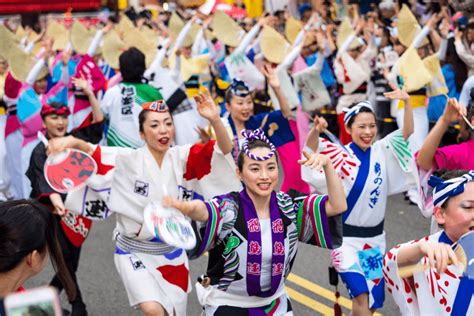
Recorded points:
(439,255)
(397,94)
(314,161)
(206,106)
(196,209)
(271,75)
(82,84)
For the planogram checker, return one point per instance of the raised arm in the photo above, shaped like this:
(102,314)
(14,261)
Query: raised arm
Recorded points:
(274,82)
(432,141)
(248,38)
(408,123)
(336,203)
(209,110)
(312,141)
(81,83)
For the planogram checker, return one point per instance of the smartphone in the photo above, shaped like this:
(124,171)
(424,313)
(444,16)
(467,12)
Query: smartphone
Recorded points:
(40,301)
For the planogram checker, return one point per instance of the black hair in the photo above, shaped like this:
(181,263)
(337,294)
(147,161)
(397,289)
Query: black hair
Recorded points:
(459,67)
(25,226)
(252,145)
(142,118)
(362,110)
(132,65)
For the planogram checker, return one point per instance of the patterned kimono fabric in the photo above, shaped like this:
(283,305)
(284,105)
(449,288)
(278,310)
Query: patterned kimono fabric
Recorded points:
(28,113)
(429,292)
(250,258)
(369,177)
(126,182)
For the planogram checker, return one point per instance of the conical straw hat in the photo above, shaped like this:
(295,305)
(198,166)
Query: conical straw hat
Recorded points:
(226,29)
(274,46)
(8,39)
(59,33)
(292,29)
(344,31)
(21,64)
(81,37)
(112,47)
(408,27)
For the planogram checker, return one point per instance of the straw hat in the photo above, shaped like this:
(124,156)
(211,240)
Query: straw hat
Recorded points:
(59,33)
(408,27)
(125,24)
(175,26)
(345,30)
(226,29)
(112,47)
(21,64)
(81,37)
(8,39)
(135,38)
(292,29)
(274,46)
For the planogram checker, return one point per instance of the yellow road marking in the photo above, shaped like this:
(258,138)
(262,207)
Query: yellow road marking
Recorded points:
(309,302)
(321,291)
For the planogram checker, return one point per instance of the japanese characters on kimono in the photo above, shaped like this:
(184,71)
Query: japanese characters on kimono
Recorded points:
(126,182)
(250,258)
(368,177)
(429,292)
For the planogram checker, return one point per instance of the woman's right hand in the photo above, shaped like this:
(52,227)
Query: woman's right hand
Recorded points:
(453,111)
(320,124)
(60,144)
(440,255)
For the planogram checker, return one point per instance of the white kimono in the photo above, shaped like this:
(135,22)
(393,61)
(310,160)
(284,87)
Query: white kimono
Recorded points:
(126,182)
(428,292)
(368,178)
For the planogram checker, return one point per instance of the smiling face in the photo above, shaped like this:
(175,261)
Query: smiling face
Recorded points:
(260,177)
(157,130)
(363,130)
(56,125)
(458,216)
(240,108)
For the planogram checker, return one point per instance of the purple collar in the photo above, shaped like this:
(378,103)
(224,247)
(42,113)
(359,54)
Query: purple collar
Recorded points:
(254,246)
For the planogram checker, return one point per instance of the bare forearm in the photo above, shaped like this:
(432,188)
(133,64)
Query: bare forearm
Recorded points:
(428,150)
(284,105)
(336,197)
(408,124)
(312,141)
(97,115)
(409,254)
(223,140)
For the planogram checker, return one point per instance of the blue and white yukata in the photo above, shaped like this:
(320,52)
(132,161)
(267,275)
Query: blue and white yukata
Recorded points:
(368,177)
(428,292)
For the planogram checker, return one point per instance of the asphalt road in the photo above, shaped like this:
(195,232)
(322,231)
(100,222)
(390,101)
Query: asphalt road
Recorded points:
(104,293)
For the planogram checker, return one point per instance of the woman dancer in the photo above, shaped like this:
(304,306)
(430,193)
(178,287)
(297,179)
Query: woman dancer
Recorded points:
(441,289)
(155,275)
(252,235)
(370,171)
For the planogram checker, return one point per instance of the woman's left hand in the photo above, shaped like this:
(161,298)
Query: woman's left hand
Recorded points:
(397,94)
(272,76)
(206,106)
(314,161)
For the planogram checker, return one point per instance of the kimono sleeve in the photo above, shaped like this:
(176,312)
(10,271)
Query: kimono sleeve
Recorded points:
(275,126)
(91,133)
(345,164)
(400,163)
(222,212)
(314,226)
(91,200)
(40,189)
(205,166)
(403,295)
